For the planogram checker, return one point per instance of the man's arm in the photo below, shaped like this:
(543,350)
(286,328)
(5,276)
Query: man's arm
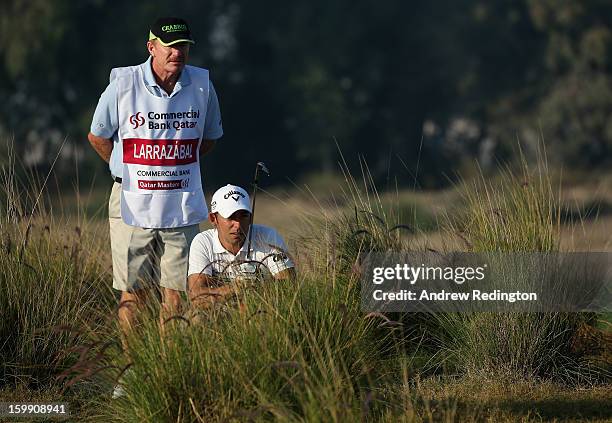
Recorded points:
(103,146)
(204,290)
(207,146)
(213,129)
(105,122)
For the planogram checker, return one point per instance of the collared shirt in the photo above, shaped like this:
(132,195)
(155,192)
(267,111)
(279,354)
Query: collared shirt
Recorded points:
(269,255)
(105,121)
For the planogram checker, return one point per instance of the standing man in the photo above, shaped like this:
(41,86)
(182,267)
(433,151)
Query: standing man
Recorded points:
(220,254)
(152,124)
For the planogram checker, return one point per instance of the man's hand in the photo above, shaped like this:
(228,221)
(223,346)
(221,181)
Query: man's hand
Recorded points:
(103,146)
(204,290)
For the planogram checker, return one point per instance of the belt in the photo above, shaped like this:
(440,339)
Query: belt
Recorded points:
(117,179)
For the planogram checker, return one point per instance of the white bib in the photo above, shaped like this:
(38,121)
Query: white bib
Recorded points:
(161,137)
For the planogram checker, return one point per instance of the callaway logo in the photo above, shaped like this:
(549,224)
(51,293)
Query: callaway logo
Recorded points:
(137,120)
(234,194)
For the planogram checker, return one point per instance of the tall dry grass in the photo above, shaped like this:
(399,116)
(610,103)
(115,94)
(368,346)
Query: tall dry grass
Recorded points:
(301,351)
(517,212)
(305,351)
(53,290)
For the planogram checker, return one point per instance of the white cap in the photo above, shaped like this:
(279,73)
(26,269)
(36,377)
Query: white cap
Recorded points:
(229,199)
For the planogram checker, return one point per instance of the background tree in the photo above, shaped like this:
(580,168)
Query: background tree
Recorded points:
(439,83)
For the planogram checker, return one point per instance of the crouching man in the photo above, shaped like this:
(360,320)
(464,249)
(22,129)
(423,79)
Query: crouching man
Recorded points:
(218,257)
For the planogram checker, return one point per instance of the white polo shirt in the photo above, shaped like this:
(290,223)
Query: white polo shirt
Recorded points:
(268,255)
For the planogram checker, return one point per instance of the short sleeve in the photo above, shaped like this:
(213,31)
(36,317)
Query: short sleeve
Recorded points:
(105,120)
(278,258)
(200,256)
(213,128)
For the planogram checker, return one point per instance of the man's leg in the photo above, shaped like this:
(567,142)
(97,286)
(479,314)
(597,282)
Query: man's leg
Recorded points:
(133,254)
(130,305)
(174,260)
(171,304)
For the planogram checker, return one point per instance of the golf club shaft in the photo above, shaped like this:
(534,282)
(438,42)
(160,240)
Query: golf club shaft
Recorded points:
(255,182)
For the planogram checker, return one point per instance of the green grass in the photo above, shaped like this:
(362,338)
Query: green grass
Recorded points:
(300,352)
(294,351)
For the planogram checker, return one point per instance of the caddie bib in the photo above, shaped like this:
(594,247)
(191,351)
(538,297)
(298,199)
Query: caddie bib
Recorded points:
(160,138)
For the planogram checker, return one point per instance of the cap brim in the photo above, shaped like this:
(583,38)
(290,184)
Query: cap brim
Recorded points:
(175,42)
(232,211)
(182,40)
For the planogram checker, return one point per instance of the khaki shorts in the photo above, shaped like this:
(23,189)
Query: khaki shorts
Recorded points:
(143,257)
